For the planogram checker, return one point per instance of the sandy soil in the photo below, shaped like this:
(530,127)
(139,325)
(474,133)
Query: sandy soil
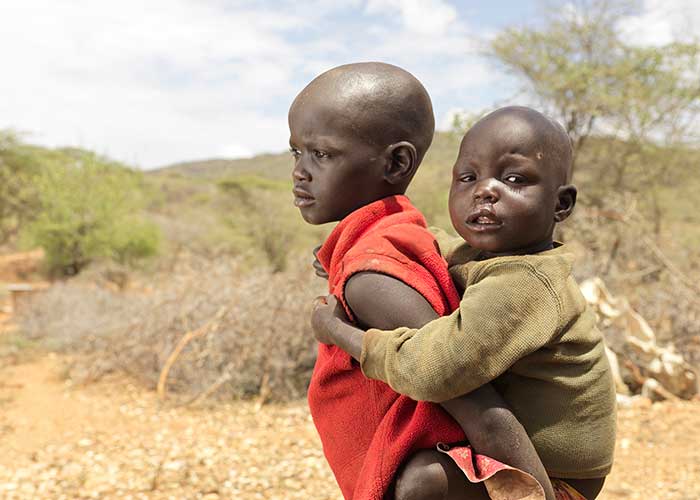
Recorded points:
(112,439)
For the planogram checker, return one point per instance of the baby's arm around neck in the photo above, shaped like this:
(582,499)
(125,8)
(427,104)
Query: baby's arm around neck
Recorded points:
(380,301)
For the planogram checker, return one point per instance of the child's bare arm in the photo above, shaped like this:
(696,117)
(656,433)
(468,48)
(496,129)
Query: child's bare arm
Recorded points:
(380,301)
(489,332)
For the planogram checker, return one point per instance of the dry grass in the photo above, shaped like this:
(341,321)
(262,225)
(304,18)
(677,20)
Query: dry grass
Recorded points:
(260,342)
(112,440)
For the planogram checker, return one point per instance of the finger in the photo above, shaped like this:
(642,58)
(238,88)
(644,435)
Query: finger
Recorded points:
(320,271)
(318,268)
(319,301)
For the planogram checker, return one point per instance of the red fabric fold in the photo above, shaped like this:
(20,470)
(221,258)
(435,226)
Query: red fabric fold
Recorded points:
(366,428)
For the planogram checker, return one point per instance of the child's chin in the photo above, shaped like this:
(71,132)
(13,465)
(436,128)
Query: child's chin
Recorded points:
(486,244)
(313,217)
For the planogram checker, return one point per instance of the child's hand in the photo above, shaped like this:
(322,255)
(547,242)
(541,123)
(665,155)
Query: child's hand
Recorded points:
(326,313)
(318,268)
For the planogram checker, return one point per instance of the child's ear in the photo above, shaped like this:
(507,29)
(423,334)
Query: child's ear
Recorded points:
(566,199)
(402,161)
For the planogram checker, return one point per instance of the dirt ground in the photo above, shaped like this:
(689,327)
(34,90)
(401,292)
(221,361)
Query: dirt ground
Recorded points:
(113,440)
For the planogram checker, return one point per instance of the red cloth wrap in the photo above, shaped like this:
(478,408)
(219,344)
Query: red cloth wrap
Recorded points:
(366,428)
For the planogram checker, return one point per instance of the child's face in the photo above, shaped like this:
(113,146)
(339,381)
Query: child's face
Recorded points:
(336,171)
(504,192)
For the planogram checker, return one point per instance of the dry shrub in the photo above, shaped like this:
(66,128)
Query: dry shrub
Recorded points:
(262,336)
(657,277)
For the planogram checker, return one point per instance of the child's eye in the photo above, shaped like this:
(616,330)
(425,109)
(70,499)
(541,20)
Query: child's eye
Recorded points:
(320,154)
(295,152)
(467,178)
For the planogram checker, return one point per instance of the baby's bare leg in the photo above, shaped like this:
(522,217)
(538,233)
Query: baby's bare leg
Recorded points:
(493,430)
(431,475)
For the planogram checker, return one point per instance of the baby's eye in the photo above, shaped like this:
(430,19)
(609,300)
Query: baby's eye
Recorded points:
(320,154)
(468,177)
(295,152)
(514,179)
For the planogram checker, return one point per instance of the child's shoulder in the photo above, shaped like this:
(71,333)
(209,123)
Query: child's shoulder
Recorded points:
(553,268)
(401,239)
(555,264)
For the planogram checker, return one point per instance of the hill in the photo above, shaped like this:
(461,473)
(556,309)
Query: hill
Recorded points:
(275,166)
(644,240)
(244,205)
(279,165)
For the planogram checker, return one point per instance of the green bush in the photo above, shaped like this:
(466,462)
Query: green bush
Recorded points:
(135,239)
(17,196)
(89,209)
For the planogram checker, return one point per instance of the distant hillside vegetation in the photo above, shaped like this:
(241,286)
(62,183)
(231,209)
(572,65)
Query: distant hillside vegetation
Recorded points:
(643,240)
(276,166)
(279,166)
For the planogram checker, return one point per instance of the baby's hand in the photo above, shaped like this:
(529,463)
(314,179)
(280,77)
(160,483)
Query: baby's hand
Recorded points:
(327,312)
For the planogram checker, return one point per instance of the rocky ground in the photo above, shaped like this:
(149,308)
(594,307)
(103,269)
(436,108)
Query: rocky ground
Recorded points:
(112,439)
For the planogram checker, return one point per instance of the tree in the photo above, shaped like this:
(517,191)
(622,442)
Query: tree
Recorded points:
(582,71)
(642,104)
(89,209)
(17,196)
(568,64)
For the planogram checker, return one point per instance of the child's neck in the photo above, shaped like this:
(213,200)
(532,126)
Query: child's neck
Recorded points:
(541,246)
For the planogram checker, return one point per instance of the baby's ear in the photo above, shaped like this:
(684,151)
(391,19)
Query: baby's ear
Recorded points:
(402,161)
(566,199)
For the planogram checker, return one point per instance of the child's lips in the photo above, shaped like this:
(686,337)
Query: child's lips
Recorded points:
(302,198)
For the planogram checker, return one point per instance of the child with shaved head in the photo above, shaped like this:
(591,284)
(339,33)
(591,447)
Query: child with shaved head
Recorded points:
(358,134)
(522,324)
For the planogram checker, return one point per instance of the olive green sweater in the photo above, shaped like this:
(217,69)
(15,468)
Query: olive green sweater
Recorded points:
(524,326)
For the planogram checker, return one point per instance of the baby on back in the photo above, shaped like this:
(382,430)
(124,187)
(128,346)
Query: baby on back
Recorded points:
(522,324)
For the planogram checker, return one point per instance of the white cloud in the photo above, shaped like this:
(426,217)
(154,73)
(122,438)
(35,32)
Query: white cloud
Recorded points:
(426,17)
(432,42)
(148,82)
(171,80)
(662,21)
(233,151)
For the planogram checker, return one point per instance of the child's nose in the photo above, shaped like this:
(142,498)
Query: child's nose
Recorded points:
(300,173)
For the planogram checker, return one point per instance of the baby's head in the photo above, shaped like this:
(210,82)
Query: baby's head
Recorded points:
(511,182)
(357,133)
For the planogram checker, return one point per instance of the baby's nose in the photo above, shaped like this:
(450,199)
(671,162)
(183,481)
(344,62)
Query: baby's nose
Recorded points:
(486,190)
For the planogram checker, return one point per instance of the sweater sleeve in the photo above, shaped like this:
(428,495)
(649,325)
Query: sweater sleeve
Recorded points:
(508,314)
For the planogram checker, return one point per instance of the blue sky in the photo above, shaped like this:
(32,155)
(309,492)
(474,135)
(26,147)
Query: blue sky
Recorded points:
(155,82)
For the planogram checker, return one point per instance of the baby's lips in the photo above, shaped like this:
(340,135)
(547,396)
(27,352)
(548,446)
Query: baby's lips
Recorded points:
(485,213)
